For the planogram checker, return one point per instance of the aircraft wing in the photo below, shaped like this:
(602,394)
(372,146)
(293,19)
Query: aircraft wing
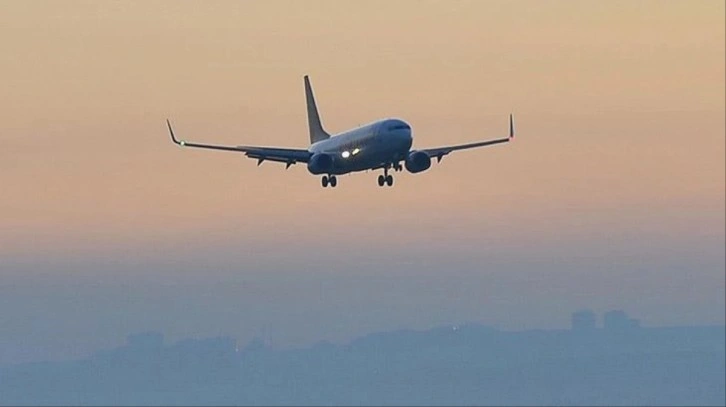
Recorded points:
(289,156)
(440,152)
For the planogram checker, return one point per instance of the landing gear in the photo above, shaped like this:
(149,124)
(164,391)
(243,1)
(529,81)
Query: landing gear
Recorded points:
(386,178)
(329,180)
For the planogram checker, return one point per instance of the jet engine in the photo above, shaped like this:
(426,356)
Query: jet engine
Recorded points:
(320,163)
(417,161)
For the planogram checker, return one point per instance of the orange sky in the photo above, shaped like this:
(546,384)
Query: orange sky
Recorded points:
(619,108)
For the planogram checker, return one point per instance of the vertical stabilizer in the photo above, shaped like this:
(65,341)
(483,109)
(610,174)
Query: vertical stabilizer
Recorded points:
(316,128)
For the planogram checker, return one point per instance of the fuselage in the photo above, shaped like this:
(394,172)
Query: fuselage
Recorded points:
(367,147)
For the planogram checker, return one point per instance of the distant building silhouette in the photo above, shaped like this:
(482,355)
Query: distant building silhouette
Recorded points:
(584,320)
(146,340)
(257,344)
(483,366)
(617,320)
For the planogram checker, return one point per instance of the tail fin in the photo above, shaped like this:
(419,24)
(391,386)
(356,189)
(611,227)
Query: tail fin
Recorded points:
(316,128)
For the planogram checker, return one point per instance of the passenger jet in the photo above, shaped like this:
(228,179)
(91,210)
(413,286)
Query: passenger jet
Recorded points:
(381,145)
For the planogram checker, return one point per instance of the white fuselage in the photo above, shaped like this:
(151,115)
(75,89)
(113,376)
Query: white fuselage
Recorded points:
(371,146)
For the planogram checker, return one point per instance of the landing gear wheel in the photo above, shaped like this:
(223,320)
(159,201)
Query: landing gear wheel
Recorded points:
(325,181)
(333,181)
(389,180)
(381,180)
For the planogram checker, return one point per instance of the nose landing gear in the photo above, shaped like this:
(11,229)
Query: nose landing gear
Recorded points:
(331,180)
(386,178)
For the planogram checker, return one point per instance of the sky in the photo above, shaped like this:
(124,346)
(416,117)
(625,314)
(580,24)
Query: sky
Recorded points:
(612,195)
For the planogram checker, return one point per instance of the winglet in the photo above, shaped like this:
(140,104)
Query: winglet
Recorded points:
(511,127)
(171,133)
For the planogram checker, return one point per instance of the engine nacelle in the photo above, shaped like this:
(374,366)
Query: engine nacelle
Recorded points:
(320,163)
(417,161)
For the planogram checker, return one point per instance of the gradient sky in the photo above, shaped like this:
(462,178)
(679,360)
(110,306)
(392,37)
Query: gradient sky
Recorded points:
(611,197)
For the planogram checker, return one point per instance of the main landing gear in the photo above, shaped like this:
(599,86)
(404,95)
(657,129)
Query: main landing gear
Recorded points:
(385,179)
(331,180)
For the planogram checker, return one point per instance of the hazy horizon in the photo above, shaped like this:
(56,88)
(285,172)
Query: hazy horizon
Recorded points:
(612,195)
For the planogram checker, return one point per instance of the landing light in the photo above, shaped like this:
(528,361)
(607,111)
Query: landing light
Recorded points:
(345,154)
(356,151)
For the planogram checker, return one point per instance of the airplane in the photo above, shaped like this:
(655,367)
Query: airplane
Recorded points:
(382,144)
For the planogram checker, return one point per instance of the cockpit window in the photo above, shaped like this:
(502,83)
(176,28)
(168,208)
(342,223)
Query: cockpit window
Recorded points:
(399,126)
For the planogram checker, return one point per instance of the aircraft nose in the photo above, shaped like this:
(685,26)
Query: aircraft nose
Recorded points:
(407,138)
(400,131)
